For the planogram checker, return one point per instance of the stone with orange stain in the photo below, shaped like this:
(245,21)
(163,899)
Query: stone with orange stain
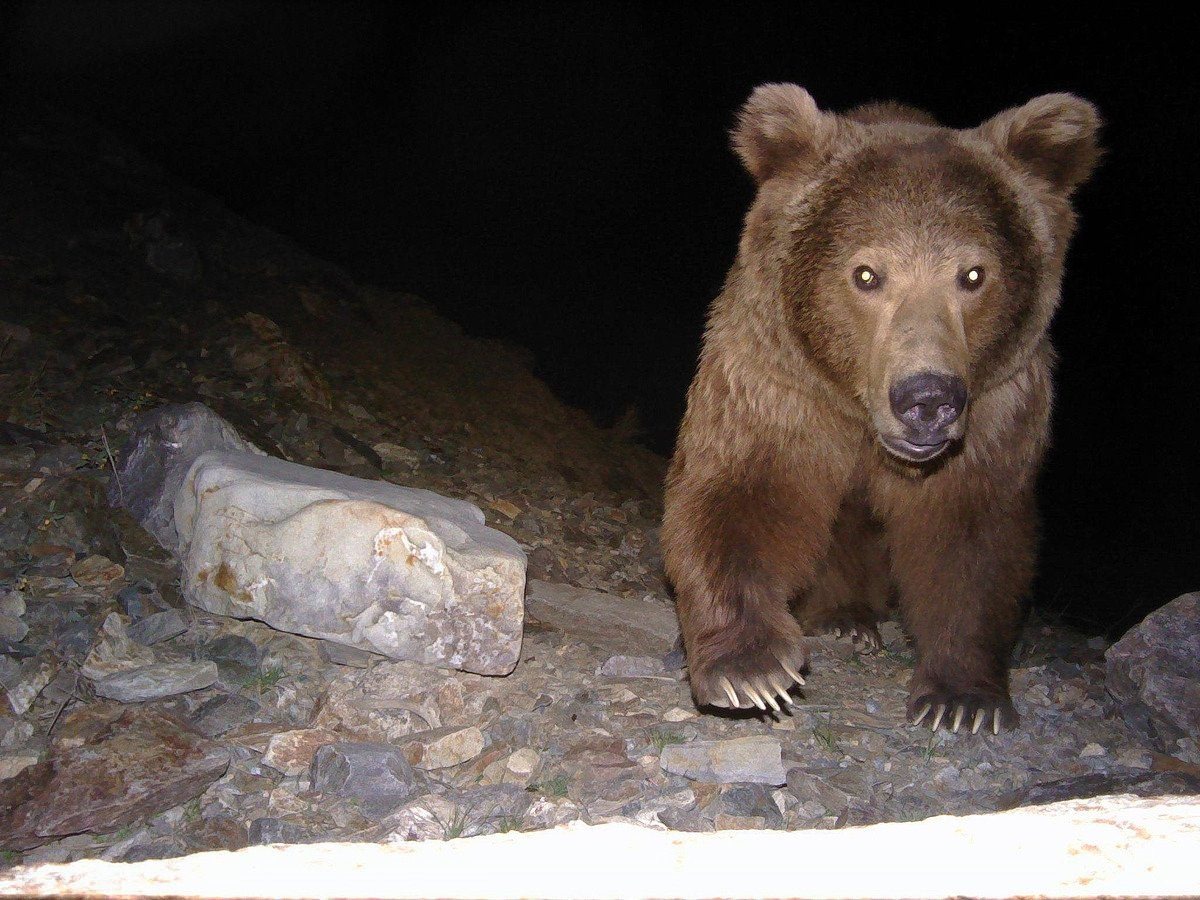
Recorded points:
(396,571)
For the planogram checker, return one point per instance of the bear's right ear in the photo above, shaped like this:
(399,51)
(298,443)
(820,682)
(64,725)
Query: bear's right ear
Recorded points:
(779,125)
(1053,136)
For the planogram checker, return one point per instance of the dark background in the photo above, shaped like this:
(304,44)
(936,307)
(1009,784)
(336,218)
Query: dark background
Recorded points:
(559,175)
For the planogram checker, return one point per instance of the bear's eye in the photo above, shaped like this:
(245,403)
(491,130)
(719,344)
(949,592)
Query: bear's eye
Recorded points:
(865,279)
(971,279)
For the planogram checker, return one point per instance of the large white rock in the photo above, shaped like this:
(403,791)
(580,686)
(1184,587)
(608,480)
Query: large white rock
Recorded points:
(398,571)
(1102,847)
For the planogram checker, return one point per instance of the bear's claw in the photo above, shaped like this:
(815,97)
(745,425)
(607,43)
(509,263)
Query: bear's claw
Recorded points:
(954,710)
(865,637)
(763,691)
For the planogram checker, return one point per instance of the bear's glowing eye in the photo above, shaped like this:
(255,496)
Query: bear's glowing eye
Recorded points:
(971,279)
(865,279)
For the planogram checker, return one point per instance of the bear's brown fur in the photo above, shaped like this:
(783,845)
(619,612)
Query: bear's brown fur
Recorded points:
(894,279)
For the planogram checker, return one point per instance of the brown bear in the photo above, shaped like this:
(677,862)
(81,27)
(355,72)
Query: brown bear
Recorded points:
(872,400)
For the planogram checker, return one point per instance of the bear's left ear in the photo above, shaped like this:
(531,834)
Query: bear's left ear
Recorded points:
(780,126)
(1052,136)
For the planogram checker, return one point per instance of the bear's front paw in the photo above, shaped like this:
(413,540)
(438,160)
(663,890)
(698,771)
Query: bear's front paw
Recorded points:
(749,677)
(955,708)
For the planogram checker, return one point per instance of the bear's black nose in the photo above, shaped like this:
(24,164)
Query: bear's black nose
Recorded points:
(928,404)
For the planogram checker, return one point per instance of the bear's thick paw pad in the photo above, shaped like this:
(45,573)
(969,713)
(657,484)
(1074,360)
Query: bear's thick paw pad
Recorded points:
(755,680)
(962,710)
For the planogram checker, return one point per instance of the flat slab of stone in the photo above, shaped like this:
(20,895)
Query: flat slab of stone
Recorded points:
(156,681)
(401,572)
(1153,672)
(756,759)
(162,445)
(630,627)
(1108,846)
(113,767)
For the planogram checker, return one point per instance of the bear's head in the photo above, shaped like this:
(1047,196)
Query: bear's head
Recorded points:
(912,266)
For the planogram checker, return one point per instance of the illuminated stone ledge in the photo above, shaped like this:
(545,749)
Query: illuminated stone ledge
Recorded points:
(1103,846)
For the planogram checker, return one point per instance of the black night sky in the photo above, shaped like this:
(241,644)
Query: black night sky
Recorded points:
(559,175)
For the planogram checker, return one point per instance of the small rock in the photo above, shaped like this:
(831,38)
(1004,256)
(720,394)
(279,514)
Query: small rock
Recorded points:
(395,454)
(523,763)
(376,775)
(1092,750)
(13,764)
(115,652)
(96,572)
(292,752)
(237,658)
(128,764)
(219,714)
(505,508)
(752,801)
(163,443)
(12,603)
(632,667)
(427,818)
(12,629)
(679,714)
(156,681)
(157,627)
(21,683)
(73,639)
(442,748)
(756,759)
(141,600)
(59,460)
(341,655)
(269,830)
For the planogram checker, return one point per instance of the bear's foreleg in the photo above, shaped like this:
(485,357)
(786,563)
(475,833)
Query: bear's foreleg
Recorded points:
(851,587)
(739,545)
(962,556)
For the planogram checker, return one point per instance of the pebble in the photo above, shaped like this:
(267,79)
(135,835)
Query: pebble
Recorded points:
(13,764)
(679,714)
(1092,750)
(22,682)
(292,752)
(220,713)
(755,758)
(12,603)
(341,655)
(523,762)
(96,571)
(140,600)
(443,748)
(12,629)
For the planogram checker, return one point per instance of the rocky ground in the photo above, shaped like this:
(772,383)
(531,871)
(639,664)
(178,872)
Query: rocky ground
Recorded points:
(121,290)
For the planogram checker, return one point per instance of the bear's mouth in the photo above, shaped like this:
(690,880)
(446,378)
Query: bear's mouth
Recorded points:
(911,452)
